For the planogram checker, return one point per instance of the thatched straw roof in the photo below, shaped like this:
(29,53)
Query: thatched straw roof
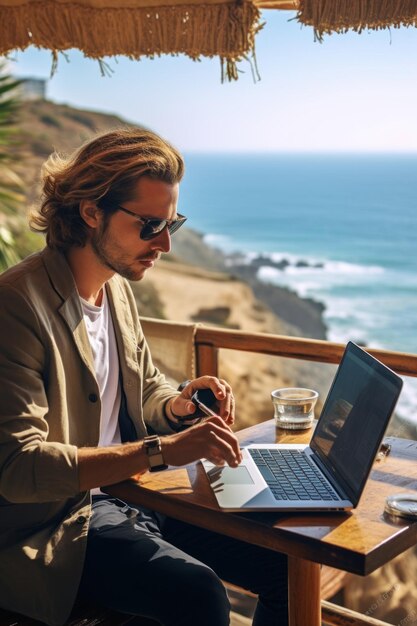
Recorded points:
(328,16)
(136,28)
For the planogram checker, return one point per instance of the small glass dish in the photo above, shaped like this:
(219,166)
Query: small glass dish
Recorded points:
(402,505)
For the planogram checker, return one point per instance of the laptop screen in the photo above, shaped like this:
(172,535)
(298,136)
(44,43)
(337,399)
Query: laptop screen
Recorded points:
(354,418)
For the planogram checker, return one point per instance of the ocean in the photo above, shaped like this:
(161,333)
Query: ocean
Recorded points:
(342,228)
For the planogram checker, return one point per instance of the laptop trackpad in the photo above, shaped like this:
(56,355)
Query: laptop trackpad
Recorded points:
(230,475)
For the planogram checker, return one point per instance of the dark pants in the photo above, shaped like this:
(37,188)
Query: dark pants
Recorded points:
(143,563)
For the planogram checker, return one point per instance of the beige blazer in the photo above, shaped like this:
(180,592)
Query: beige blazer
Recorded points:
(49,407)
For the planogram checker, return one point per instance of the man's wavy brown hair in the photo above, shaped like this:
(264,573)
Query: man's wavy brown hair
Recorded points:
(104,170)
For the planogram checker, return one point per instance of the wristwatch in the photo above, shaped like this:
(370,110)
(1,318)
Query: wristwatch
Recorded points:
(153,449)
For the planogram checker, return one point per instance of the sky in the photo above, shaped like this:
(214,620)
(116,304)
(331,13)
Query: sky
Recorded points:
(351,93)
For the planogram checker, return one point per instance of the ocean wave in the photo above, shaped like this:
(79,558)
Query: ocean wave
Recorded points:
(365,307)
(218,241)
(355,333)
(299,268)
(363,310)
(407,403)
(288,262)
(319,283)
(337,267)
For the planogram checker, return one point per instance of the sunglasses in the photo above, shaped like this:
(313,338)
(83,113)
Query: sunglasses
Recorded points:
(153,227)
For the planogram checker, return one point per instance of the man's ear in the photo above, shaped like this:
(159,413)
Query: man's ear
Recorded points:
(90,213)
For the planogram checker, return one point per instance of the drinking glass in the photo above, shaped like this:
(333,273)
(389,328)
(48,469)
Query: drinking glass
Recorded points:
(294,407)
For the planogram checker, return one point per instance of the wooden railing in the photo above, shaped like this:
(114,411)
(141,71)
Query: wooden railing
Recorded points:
(208,341)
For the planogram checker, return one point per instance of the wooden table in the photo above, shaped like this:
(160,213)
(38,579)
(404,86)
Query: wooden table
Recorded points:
(357,542)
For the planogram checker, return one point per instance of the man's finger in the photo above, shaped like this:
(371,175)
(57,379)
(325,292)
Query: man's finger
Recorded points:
(225,451)
(219,430)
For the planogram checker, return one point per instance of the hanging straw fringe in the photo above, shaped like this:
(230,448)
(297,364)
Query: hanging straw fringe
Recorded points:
(226,30)
(327,16)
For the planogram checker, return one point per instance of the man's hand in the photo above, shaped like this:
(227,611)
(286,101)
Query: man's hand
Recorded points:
(183,406)
(211,439)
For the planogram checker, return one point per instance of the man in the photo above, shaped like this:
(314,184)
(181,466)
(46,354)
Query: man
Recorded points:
(82,401)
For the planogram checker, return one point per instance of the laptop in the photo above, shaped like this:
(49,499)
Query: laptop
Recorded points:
(330,473)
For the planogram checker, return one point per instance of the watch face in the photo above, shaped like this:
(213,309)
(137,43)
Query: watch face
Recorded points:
(156,463)
(156,459)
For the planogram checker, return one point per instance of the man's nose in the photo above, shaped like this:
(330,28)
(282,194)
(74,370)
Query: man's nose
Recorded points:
(163,241)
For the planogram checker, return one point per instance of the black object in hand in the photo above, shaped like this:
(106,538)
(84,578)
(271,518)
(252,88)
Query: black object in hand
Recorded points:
(204,399)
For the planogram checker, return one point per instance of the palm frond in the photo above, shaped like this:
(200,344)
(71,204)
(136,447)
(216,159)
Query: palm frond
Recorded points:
(10,184)
(8,256)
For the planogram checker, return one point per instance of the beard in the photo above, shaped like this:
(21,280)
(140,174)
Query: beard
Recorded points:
(114,257)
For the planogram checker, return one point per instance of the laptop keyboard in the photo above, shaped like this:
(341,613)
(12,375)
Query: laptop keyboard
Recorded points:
(290,476)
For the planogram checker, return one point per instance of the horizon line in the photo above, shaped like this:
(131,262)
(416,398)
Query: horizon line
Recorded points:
(303,152)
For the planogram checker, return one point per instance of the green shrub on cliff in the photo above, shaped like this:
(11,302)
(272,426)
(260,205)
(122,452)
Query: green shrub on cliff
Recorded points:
(11,196)
(8,255)
(10,184)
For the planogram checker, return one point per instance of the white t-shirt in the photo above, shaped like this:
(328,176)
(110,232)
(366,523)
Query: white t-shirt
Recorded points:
(100,330)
